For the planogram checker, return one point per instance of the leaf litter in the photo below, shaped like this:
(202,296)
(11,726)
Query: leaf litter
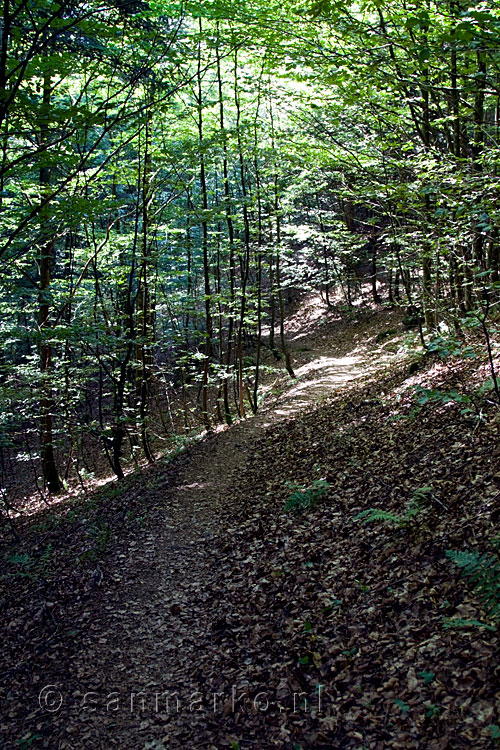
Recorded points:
(189,609)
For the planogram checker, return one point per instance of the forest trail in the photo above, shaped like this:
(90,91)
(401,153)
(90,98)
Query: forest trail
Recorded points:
(325,364)
(154,630)
(318,378)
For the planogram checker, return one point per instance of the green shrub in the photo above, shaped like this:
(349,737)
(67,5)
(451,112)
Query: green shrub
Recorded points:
(27,566)
(305,498)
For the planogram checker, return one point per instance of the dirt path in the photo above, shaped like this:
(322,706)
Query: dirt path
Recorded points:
(150,638)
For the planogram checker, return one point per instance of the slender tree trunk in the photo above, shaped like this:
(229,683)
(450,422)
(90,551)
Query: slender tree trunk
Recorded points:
(189,269)
(49,467)
(284,347)
(245,266)
(429,312)
(259,330)
(454,8)
(478,144)
(272,304)
(230,231)
(375,294)
(258,257)
(144,308)
(326,280)
(206,264)
(4,48)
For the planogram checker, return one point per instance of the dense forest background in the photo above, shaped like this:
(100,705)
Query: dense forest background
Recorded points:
(172,174)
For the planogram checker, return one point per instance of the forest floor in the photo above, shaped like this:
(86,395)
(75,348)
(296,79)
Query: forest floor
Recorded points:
(187,608)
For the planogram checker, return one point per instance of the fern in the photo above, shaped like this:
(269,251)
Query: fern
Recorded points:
(483,572)
(458,622)
(305,498)
(28,566)
(376,514)
(413,509)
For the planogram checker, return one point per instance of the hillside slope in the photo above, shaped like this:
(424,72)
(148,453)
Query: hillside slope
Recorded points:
(218,614)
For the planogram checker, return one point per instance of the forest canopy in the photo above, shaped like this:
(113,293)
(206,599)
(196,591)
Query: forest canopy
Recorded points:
(172,174)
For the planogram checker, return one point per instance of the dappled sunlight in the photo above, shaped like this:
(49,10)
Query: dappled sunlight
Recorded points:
(324,364)
(194,486)
(319,378)
(34,504)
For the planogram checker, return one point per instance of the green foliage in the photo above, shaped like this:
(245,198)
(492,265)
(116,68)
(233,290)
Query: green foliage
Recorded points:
(402,705)
(470,402)
(494,731)
(27,742)
(451,347)
(100,532)
(306,498)
(421,494)
(373,515)
(482,571)
(105,116)
(432,711)
(100,535)
(426,676)
(429,395)
(413,509)
(27,566)
(458,622)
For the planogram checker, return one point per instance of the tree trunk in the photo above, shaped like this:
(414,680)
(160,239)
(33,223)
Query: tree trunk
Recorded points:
(206,265)
(49,467)
(230,231)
